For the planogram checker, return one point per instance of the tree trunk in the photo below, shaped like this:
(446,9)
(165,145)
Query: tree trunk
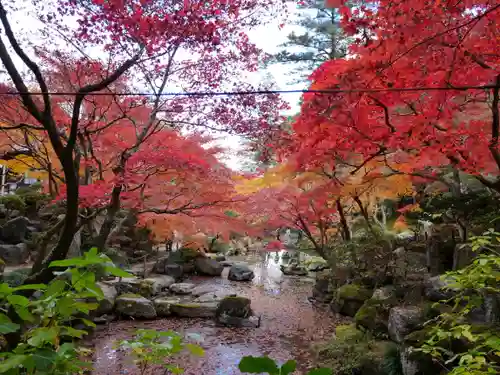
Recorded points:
(346,233)
(365,216)
(107,225)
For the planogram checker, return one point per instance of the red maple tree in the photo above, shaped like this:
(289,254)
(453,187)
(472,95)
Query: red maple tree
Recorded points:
(420,88)
(148,46)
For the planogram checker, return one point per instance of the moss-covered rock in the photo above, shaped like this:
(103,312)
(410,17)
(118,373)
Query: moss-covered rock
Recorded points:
(234,306)
(349,298)
(194,310)
(374,314)
(135,306)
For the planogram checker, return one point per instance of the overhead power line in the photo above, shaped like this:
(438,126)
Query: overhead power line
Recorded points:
(258,92)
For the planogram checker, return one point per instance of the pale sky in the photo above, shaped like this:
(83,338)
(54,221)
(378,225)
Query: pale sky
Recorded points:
(267,37)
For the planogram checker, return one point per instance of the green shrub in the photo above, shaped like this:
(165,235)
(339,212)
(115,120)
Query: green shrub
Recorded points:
(355,352)
(17,277)
(480,344)
(35,200)
(42,338)
(13,202)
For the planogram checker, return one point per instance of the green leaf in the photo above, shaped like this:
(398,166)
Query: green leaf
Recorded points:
(195,349)
(73,262)
(55,287)
(288,367)
(257,365)
(5,289)
(44,359)
(43,335)
(91,253)
(72,332)
(12,362)
(6,325)
(321,371)
(65,306)
(30,287)
(115,271)
(15,299)
(88,323)
(24,314)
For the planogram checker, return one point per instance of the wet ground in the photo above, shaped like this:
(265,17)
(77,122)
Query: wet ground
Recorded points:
(290,324)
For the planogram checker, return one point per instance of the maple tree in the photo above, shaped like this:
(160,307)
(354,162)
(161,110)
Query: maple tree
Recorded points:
(420,91)
(96,141)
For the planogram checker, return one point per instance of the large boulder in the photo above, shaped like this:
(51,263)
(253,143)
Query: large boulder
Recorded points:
(107,304)
(438,288)
(374,314)
(234,306)
(135,306)
(14,254)
(194,309)
(324,287)
(240,272)
(349,298)
(14,231)
(208,267)
(403,320)
(182,288)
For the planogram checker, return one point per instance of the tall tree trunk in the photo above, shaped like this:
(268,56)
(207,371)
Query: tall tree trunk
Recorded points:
(365,216)
(346,233)
(107,225)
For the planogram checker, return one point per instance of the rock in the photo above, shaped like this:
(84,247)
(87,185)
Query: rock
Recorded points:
(104,319)
(463,256)
(227,263)
(240,272)
(14,254)
(385,293)
(119,258)
(220,258)
(407,262)
(232,321)
(324,287)
(182,288)
(107,304)
(234,306)
(194,309)
(417,363)
(374,314)
(149,287)
(293,270)
(135,306)
(214,296)
(199,290)
(349,298)
(162,305)
(14,231)
(316,264)
(403,321)
(208,267)
(160,283)
(437,288)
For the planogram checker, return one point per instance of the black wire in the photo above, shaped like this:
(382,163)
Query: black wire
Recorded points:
(259,92)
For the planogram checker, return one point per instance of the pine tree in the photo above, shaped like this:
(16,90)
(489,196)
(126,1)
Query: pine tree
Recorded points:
(321,39)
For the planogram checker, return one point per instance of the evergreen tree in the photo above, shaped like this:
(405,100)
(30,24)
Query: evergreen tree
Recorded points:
(320,39)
